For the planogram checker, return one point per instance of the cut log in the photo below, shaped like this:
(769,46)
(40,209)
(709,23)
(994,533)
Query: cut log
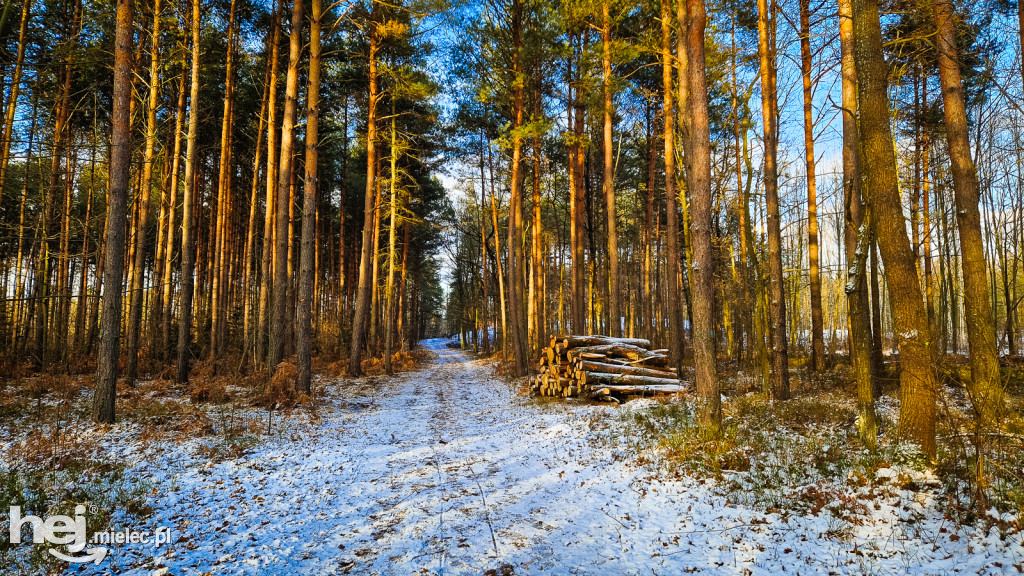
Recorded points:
(622,350)
(569,341)
(604,379)
(646,390)
(634,370)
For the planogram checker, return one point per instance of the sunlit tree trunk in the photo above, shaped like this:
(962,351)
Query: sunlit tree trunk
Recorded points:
(856,235)
(248,340)
(817,327)
(363,298)
(913,337)
(218,310)
(608,172)
(702,265)
(188,236)
(497,257)
(21,319)
(574,115)
(776,284)
(270,205)
(138,270)
(537,315)
(12,103)
(675,336)
(309,199)
(485,316)
(985,388)
(117,202)
(282,278)
(389,288)
(515,249)
(42,287)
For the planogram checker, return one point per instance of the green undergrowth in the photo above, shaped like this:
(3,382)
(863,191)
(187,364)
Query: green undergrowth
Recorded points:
(800,455)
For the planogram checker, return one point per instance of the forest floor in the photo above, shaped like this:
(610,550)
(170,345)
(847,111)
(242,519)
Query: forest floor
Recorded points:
(449,470)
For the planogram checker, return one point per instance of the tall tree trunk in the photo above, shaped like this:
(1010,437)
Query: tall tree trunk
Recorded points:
(608,174)
(817,327)
(538,317)
(248,340)
(165,317)
(748,260)
(42,288)
(20,316)
(342,211)
(12,103)
(485,316)
(497,256)
(282,279)
(117,201)
(401,329)
(270,206)
(647,305)
(138,270)
(985,389)
(577,191)
(776,284)
(917,379)
(218,310)
(702,276)
(926,243)
(363,298)
(309,198)
(856,235)
(515,248)
(676,338)
(188,237)
(389,287)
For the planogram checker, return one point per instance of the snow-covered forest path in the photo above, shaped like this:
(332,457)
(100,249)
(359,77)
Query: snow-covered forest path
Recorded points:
(447,470)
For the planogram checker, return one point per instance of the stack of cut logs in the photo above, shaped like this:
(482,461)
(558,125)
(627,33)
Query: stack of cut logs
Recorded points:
(602,367)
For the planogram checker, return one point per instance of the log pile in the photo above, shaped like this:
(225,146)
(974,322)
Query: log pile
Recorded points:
(602,367)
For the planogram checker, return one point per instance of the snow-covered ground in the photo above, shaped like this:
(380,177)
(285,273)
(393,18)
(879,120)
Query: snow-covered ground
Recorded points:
(447,470)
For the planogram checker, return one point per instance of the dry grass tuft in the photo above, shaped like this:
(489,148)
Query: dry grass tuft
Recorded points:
(279,391)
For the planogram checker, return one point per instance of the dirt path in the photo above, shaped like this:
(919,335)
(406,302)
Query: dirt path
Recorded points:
(446,470)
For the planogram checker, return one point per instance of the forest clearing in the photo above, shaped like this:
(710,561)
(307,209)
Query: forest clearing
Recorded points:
(511,286)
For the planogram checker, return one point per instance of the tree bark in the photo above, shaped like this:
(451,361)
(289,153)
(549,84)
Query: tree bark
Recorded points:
(138,272)
(188,239)
(776,298)
(364,295)
(702,265)
(218,309)
(856,234)
(117,200)
(282,278)
(515,250)
(675,337)
(389,288)
(12,103)
(913,336)
(608,172)
(485,316)
(985,389)
(817,325)
(310,185)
